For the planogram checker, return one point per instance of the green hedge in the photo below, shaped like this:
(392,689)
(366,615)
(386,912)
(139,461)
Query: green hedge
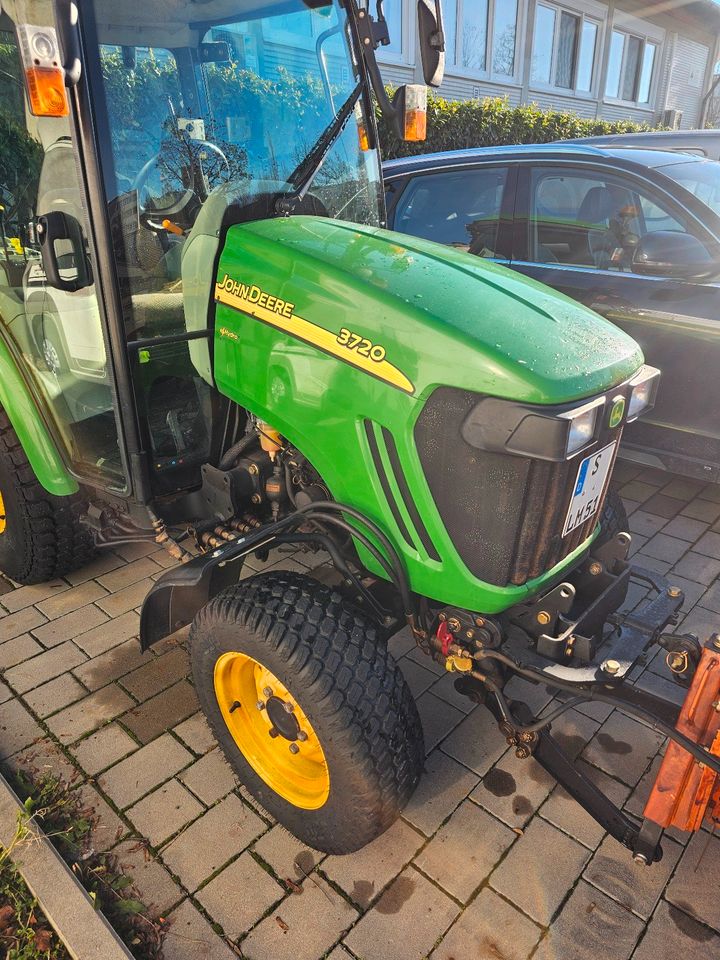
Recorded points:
(458,124)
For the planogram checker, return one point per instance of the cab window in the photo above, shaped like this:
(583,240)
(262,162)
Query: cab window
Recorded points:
(460,208)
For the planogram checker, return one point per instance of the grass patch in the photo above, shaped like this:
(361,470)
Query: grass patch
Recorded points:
(25,933)
(68,826)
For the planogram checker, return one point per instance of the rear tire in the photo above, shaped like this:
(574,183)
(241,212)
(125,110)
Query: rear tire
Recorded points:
(337,677)
(41,537)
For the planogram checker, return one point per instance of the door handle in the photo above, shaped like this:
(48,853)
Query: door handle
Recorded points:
(58,226)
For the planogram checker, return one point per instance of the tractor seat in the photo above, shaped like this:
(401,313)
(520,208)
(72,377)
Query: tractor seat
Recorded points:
(158,313)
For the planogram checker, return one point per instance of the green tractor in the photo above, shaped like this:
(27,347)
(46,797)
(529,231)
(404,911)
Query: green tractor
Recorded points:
(209,341)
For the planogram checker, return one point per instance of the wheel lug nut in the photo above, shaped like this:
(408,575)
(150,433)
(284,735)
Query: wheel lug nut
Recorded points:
(302,736)
(294,748)
(288,707)
(267,692)
(260,704)
(274,732)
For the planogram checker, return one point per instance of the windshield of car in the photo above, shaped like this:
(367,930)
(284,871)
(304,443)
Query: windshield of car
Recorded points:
(244,102)
(700,177)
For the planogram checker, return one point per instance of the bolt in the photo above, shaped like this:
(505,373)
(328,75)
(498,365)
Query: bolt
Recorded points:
(442,617)
(234,707)
(715,640)
(260,704)
(674,592)
(253,469)
(267,691)
(454,624)
(256,498)
(522,751)
(469,634)
(716,706)
(611,667)
(294,748)
(595,568)
(288,707)
(302,736)
(677,661)
(274,732)
(640,858)
(543,618)
(479,622)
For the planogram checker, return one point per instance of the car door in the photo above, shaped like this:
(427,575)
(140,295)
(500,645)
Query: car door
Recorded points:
(468,208)
(577,228)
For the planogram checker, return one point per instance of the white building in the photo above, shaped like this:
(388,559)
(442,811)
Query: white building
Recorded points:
(622,59)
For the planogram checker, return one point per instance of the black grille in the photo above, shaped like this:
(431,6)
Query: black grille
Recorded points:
(504,513)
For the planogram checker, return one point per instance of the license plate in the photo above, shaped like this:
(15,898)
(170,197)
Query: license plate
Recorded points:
(589,487)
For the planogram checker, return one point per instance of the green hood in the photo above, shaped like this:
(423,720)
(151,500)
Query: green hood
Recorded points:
(501,333)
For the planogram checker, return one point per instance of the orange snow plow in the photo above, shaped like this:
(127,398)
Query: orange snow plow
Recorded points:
(686,791)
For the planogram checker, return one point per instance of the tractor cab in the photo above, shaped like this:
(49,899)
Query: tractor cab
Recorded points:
(188,117)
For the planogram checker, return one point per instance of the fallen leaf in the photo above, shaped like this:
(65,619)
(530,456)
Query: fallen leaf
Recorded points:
(43,940)
(281,923)
(291,885)
(7,914)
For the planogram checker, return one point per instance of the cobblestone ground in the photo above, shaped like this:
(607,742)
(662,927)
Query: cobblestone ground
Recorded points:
(491,859)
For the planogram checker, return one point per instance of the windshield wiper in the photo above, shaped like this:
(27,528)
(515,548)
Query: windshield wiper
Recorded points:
(305,172)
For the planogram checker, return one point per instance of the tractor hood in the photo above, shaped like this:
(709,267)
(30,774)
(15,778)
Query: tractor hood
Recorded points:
(431,314)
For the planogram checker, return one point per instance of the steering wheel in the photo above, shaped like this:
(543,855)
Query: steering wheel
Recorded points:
(174,209)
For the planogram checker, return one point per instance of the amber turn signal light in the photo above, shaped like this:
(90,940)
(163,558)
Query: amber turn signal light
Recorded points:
(46,92)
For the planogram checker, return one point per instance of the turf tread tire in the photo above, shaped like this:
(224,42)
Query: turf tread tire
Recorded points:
(43,537)
(332,658)
(614,518)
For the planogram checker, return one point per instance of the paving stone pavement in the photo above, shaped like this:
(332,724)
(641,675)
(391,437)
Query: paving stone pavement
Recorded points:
(491,859)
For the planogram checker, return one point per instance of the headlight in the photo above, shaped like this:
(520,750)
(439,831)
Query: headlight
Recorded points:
(644,390)
(582,430)
(581,425)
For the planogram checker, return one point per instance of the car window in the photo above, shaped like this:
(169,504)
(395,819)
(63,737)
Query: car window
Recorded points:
(460,208)
(592,219)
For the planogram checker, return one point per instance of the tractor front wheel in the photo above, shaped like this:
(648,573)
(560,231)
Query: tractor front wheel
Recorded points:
(309,707)
(41,536)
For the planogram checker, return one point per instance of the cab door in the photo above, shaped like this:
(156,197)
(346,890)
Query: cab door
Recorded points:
(576,228)
(50,313)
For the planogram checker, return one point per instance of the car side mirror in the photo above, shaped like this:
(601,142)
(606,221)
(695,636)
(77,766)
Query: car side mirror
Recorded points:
(62,247)
(432,41)
(669,253)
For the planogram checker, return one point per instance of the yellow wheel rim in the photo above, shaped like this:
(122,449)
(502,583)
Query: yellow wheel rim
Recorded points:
(271,731)
(2,514)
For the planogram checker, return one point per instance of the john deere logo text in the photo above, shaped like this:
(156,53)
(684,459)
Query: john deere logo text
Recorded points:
(351,347)
(253,294)
(616,414)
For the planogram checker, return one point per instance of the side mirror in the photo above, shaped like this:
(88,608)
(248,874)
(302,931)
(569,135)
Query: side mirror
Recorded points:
(432,41)
(668,253)
(62,247)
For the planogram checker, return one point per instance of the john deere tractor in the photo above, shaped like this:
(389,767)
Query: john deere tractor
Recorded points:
(209,341)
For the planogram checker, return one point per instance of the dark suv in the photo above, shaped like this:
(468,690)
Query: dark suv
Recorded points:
(634,234)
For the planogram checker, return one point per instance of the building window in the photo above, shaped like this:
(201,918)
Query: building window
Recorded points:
(394,11)
(481,36)
(564,49)
(631,67)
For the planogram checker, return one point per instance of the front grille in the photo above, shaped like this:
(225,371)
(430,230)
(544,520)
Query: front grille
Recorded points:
(504,513)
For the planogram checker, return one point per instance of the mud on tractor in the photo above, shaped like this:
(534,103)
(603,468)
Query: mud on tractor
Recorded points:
(209,341)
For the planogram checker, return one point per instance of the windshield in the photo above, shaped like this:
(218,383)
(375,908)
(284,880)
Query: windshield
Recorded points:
(243,103)
(700,177)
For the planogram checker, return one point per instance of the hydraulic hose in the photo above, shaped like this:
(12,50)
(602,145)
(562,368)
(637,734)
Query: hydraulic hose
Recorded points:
(529,673)
(233,452)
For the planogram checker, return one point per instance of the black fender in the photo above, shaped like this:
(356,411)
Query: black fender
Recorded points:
(181,592)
